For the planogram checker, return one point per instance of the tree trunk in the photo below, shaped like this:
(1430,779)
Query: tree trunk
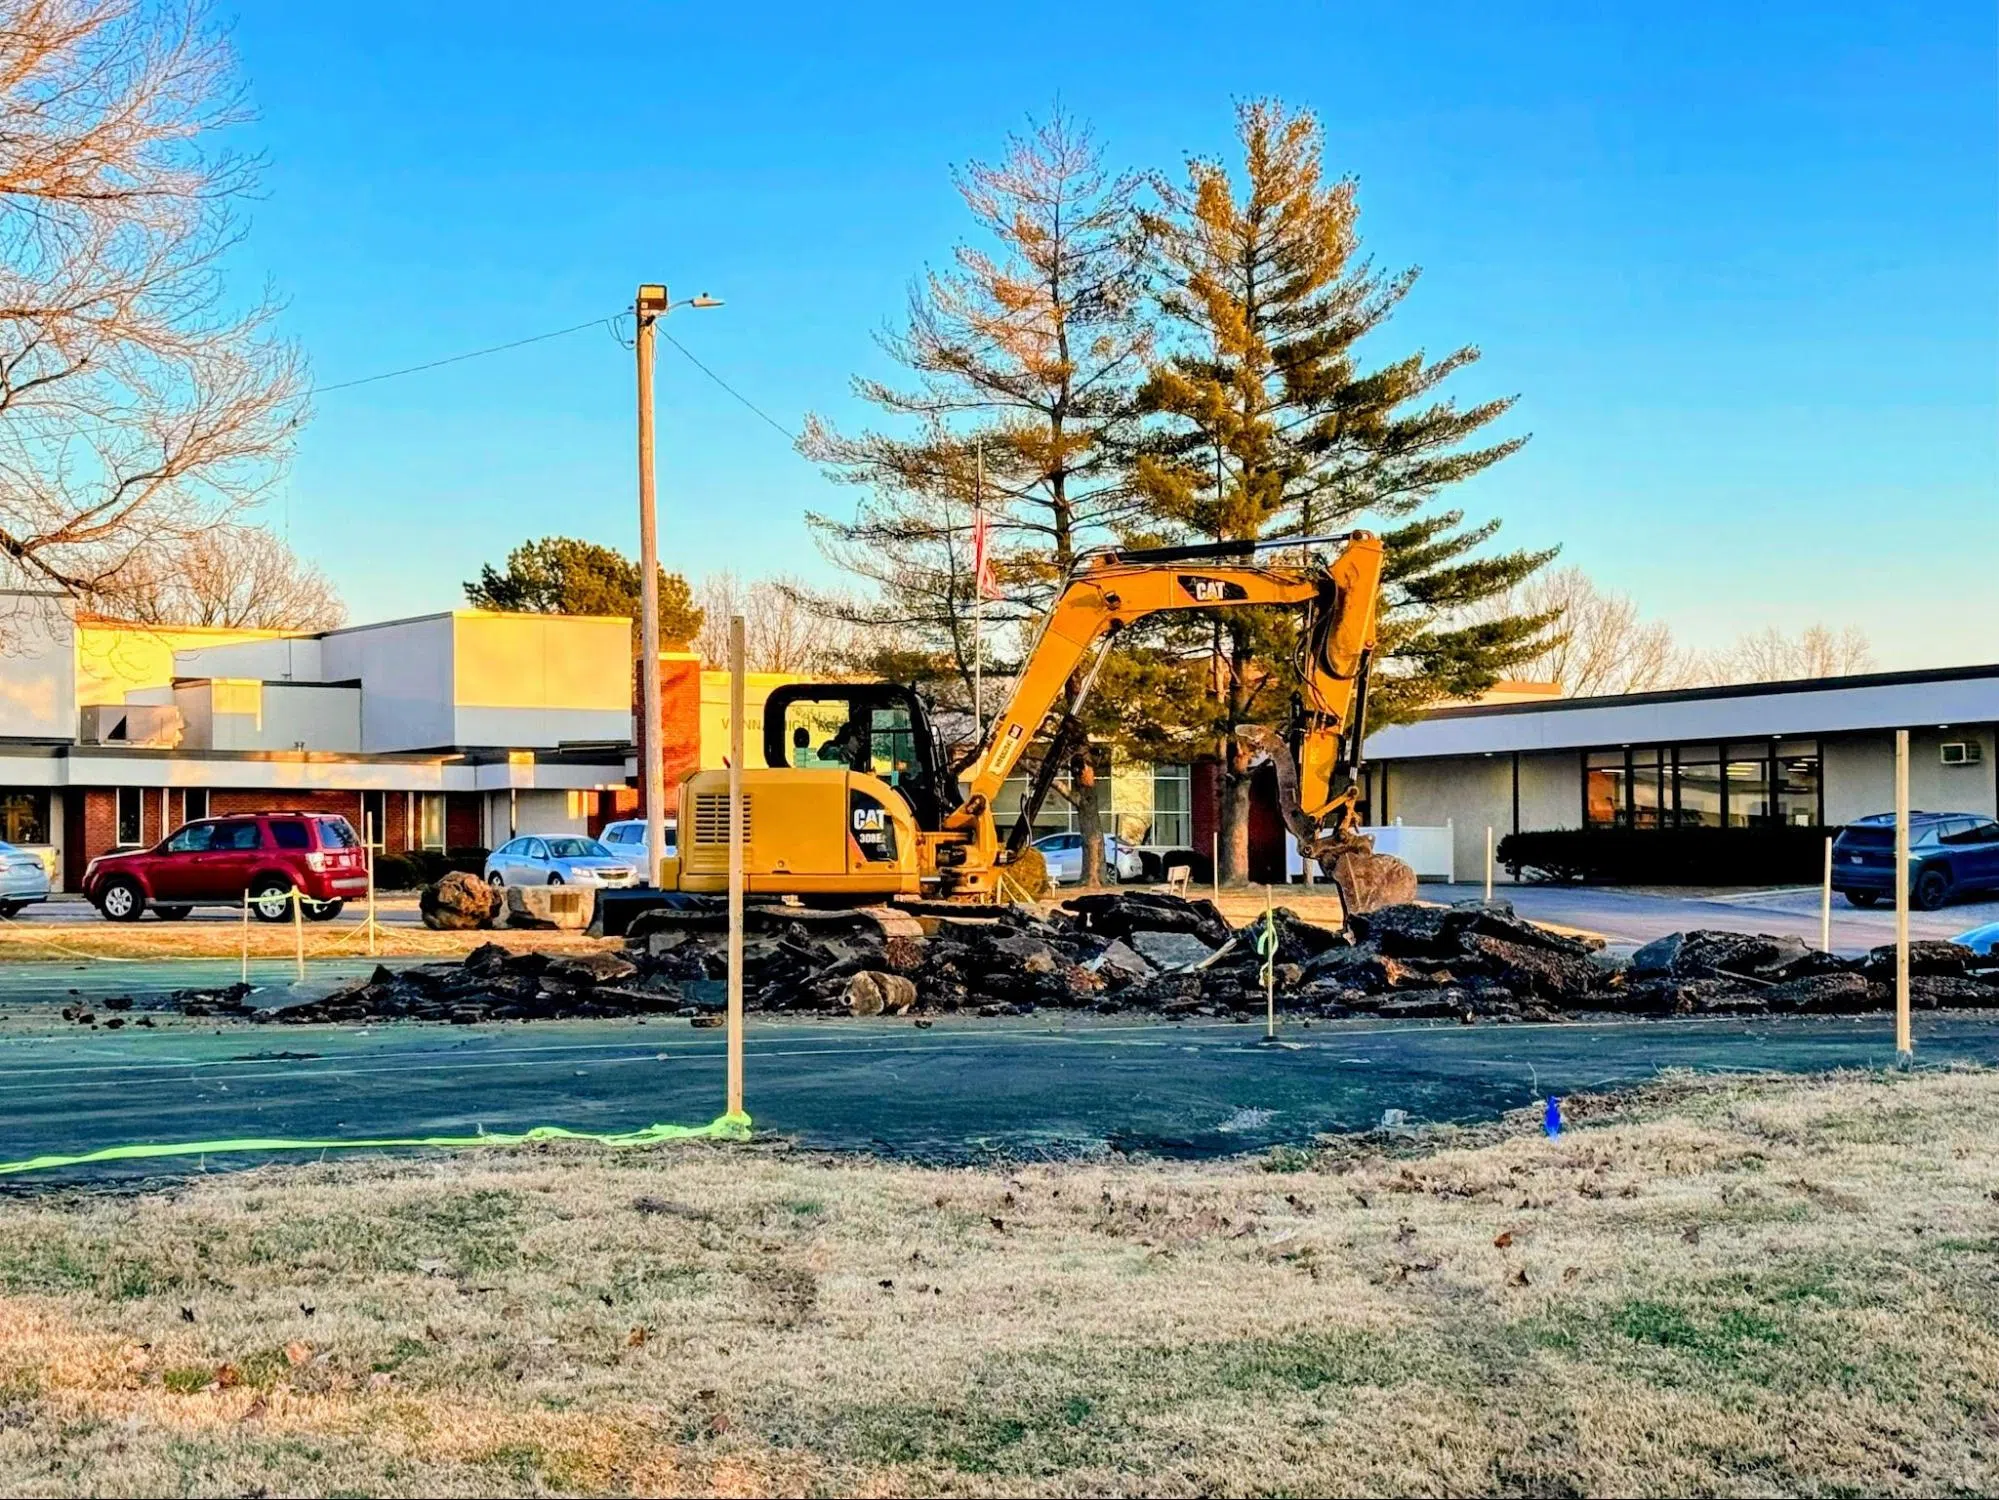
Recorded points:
(1083,777)
(1232,808)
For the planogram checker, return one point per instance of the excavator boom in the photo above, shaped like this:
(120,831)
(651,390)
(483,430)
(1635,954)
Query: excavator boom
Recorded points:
(1112,590)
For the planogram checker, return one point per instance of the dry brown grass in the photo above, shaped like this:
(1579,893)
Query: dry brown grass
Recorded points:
(1738,1286)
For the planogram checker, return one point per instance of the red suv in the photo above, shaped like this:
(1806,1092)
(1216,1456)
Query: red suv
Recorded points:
(216,860)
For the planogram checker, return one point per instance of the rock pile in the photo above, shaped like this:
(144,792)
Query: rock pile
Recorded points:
(1140,952)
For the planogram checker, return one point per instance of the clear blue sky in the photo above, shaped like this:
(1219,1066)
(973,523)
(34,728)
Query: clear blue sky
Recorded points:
(1738,262)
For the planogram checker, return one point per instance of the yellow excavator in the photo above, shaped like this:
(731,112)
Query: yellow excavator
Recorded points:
(855,801)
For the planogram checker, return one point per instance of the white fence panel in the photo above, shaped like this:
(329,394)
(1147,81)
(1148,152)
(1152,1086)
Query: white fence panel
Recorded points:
(1430,852)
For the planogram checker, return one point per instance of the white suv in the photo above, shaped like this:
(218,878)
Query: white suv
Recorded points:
(627,839)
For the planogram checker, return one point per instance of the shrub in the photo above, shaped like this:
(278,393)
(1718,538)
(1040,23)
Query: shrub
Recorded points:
(1667,856)
(394,872)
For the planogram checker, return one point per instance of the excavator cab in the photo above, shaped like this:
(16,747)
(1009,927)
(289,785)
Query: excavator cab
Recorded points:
(881,729)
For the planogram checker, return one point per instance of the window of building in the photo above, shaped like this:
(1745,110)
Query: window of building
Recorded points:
(24,817)
(1172,806)
(131,808)
(194,803)
(430,820)
(1798,786)
(1605,779)
(1746,787)
(1747,784)
(1697,786)
(374,817)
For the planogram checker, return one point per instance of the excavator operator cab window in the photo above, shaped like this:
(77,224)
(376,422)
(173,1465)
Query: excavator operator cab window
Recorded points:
(892,745)
(876,728)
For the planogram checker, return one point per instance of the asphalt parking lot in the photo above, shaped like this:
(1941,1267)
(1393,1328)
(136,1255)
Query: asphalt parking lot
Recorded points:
(1624,915)
(962,1090)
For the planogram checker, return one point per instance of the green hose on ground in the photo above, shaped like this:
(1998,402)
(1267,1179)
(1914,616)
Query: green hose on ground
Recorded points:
(730,1127)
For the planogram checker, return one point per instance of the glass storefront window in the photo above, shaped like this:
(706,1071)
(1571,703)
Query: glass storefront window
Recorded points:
(1651,788)
(1603,789)
(1798,790)
(1697,789)
(1748,793)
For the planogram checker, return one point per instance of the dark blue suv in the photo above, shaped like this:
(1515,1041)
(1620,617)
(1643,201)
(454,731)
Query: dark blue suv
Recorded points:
(1950,854)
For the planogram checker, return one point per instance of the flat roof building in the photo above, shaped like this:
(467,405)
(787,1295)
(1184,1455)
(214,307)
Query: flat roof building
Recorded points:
(1817,752)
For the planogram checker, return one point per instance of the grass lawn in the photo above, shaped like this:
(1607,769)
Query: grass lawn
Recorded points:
(1730,1286)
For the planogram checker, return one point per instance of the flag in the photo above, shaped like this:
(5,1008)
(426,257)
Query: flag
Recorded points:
(982,563)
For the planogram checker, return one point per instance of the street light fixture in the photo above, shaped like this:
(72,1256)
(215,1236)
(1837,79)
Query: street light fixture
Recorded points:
(650,305)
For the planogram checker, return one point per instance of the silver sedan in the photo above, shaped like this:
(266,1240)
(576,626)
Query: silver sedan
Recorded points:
(557,859)
(23,878)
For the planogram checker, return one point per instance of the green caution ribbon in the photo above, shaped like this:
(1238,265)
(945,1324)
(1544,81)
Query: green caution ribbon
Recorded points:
(1266,945)
(728,1127)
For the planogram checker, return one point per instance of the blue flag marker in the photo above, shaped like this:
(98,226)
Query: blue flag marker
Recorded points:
(1552,1122)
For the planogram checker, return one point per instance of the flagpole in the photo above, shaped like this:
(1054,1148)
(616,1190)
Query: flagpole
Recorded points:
(979,598)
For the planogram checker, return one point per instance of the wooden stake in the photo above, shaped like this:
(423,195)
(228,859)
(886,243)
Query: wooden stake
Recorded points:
(368,843)
(1269,971)
(1904,1045)
(1488,864)
(246,937)
(298,931)
(736,820)
(1825,901)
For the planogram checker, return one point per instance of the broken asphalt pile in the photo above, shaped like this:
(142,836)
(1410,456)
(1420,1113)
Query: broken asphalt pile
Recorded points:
(1133,952)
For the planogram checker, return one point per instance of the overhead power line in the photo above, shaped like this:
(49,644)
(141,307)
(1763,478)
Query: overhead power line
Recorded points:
(453,359)
(539,338)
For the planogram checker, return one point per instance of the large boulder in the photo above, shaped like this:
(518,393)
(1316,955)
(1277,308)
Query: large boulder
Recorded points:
(458,903)
(873,993)
(549,907)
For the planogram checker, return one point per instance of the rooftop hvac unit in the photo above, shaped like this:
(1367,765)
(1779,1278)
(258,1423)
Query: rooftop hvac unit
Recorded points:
(1961,753)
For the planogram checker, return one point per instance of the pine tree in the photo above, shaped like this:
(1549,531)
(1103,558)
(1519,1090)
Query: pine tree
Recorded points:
(1025,355)
(559,575)
(1268,423)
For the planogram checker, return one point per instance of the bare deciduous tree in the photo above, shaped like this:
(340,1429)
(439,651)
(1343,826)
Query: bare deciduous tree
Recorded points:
(782,632)
(1769,655)
(238,576)
(1600,643)
(137,406)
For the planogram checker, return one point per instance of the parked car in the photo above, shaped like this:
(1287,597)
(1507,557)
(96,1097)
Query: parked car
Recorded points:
(558,859)
(23,879)
(1950,854)
(215,861)
(627,839)
(1064,855)
(1983,939)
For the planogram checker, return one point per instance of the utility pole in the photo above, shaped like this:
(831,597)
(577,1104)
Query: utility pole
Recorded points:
(651,305)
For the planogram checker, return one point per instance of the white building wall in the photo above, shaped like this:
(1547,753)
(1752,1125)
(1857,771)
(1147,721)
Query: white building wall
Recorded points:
(1860,774)
(38,668)
(1551,790)
(406,681)
(1466,793)
(543,812)
(291,659)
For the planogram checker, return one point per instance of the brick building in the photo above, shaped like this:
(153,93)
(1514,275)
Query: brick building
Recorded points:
(441,731)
